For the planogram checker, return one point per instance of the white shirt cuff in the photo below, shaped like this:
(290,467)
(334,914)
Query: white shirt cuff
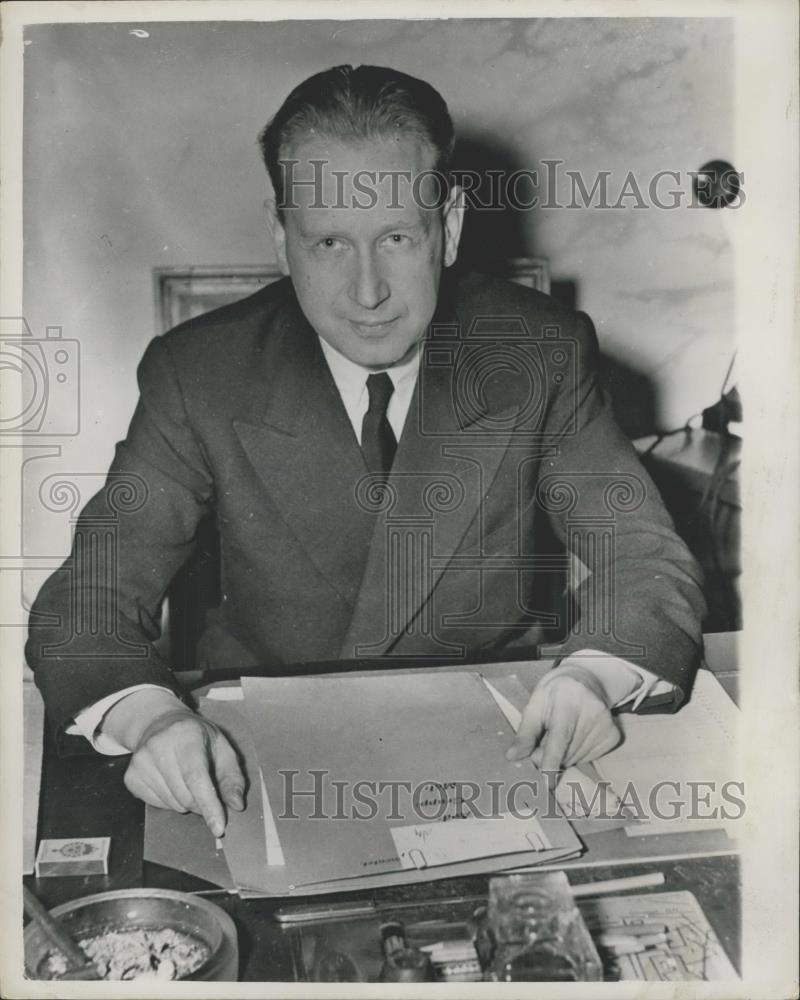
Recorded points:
(649,684)
(87,722)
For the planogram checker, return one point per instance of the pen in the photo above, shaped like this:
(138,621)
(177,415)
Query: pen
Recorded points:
(323,911)
(306,913)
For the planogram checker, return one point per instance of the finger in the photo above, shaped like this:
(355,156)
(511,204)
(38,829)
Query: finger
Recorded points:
(602,742)
(139,788)
(230,780)
(175,747)
(530,729)
(556,744)
(158,778)
(595,725)
(588,729)
(168,764)
(538,759)
(198,781)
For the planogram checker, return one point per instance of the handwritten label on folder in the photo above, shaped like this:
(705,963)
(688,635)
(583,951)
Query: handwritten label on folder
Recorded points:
(423,845)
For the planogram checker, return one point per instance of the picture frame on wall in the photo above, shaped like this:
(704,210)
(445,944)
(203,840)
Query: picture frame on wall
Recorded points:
(182,293)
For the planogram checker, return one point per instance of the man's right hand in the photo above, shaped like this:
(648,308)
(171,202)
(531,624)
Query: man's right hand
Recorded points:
(180,761)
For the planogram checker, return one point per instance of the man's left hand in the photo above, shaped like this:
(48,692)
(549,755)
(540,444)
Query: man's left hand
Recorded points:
(567,721)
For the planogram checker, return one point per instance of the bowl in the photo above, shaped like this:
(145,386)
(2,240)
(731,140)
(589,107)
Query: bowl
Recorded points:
(138,909)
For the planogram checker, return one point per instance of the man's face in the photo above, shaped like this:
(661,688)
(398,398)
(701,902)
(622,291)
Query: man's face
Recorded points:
(367,278)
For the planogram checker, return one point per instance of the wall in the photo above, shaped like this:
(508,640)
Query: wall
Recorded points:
(140,151)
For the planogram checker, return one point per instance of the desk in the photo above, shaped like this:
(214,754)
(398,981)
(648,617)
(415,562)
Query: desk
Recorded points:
(86,797)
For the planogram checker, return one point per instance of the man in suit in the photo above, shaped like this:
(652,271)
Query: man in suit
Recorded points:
(395,462)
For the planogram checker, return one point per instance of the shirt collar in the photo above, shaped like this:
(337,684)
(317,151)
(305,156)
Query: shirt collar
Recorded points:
(351,378)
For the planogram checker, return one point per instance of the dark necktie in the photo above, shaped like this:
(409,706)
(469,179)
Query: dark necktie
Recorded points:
(378,442)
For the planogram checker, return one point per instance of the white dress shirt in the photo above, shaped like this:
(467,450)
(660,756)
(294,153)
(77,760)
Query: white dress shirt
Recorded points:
(351,381)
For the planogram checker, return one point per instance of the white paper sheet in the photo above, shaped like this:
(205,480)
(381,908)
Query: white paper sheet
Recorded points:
(421,845)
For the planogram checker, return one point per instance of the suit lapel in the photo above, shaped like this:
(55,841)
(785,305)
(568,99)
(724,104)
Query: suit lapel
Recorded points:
(301,444)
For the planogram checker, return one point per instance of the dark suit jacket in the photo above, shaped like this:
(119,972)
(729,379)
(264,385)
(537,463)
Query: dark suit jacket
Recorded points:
(509,455)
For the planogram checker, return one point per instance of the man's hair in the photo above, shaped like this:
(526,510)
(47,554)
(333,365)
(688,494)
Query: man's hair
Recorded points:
(358,103)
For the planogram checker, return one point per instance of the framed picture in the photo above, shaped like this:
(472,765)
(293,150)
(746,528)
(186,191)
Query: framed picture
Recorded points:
(182,293)
(533,272)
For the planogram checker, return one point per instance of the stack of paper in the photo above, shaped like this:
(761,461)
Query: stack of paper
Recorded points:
(681,773)
(360,782)
(662,937)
